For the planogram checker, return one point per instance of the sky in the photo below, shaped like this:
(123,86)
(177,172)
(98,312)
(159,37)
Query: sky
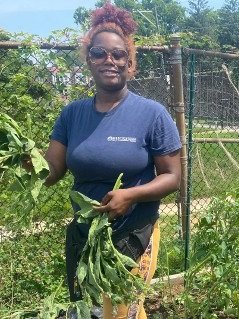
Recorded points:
(41,17)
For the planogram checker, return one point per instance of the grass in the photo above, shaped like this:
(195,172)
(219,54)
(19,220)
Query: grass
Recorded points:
(212,171)
(210,134)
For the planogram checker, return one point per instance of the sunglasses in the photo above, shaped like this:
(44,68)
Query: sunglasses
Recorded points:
(99,55)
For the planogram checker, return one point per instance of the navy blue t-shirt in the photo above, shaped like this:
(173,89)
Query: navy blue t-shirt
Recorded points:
(101,145)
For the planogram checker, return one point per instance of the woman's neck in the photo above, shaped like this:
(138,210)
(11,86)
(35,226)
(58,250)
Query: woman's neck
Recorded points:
(106,100)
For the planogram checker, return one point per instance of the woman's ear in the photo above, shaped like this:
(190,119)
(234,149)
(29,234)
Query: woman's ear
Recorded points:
(130,64)
(131,69)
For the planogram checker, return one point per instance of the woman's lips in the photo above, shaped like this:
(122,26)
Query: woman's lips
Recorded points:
(110,73)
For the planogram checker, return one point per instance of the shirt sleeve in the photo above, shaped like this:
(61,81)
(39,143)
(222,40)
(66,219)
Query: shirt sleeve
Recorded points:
(59,132)
(164,136)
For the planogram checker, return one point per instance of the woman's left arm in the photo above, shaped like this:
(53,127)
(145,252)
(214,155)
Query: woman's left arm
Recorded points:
(168,168)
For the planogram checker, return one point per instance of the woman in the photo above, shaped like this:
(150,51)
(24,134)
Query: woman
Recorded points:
(116,131)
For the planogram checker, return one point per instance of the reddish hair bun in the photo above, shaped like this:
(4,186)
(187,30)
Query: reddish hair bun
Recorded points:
(112,14)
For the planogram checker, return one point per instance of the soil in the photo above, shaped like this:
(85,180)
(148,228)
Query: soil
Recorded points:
(159,307)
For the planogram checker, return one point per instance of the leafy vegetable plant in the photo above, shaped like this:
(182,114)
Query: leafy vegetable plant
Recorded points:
(102,269)
(212,282)
(15,147)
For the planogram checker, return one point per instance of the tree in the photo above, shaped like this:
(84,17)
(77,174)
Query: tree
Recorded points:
(81,17)
(153,16)
(169,15)
(201,18)
(202,24)
(229,24)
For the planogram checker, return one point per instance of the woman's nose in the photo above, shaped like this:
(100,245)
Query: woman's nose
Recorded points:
(109,58)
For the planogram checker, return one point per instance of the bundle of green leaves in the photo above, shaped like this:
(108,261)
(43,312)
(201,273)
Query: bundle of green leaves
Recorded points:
(15,147)
(102,269)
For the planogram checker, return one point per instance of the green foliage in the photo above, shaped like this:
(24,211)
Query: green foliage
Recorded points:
(212,170)
(102,269)
(81,17)
(32,266)
(15,147)
(229,23)
(197,40)
(159,16)
(212,282)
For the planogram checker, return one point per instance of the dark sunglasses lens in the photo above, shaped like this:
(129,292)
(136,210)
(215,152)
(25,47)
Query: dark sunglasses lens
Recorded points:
(119,55)
(98,54)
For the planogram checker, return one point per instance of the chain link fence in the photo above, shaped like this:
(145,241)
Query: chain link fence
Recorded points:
(39,82)
(212,112)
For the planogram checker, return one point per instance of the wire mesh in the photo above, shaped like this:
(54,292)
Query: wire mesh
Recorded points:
(215,116)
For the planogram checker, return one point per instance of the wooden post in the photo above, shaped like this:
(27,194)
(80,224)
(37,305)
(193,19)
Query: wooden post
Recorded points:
(177,103)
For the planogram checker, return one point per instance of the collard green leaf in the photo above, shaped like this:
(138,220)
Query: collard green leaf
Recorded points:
(86,204)
(83,310)
(98,224)
(81,271)
(38,161)
(110,272)
(17,185)
(91,275)
(14,146)
(127,261)
(82,220)
(36,185)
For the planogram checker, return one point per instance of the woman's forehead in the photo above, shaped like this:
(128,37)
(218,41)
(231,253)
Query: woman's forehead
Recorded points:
(109,40)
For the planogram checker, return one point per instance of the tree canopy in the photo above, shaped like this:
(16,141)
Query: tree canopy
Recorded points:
(200,25)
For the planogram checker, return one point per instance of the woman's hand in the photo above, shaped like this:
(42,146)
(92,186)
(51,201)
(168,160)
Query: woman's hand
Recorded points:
(27,163)
(115,203)
(56,158)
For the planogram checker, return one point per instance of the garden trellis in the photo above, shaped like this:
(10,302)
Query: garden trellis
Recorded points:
(200,90)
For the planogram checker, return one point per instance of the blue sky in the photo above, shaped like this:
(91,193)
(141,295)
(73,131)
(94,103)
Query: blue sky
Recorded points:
(40,17)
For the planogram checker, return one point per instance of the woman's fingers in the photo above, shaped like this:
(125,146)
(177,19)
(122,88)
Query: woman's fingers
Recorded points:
(106,209)
(27,163)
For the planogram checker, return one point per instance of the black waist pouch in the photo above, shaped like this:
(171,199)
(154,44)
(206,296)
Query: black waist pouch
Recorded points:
(76,237)
(134,243)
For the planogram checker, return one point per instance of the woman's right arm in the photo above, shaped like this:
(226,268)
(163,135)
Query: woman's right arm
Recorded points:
(56,158)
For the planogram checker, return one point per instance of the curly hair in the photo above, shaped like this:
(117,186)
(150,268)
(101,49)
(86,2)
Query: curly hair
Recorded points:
(110,18)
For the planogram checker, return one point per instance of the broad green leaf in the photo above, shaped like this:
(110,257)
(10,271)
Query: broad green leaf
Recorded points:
(86,204)
(98,224)
(36,185)
(127,261)
(110,272)
(14,140)
(91,275)
(28,145)
(17,185)
(83,310)
(38,161)
(81,271)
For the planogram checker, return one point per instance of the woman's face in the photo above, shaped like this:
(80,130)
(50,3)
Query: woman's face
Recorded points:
(110,66)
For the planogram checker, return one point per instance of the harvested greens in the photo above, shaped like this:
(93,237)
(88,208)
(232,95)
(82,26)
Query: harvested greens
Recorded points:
(15,147)
(102,269)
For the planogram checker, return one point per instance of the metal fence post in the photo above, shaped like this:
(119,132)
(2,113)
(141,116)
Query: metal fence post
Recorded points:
(191,105)
(177,103)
